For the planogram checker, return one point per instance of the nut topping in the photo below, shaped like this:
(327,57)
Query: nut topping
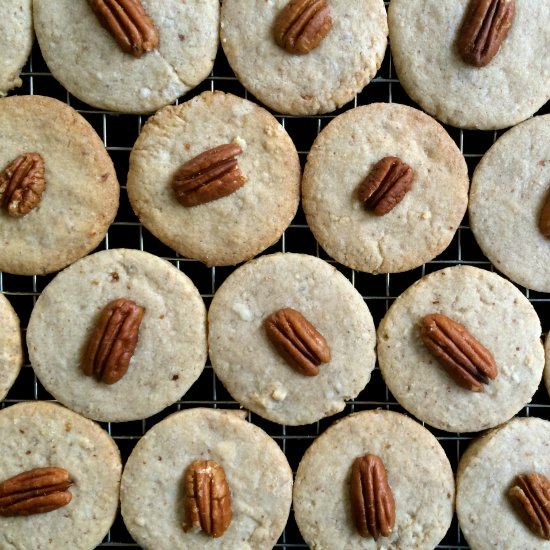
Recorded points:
(22,184)
(302,24)
(113,341)
(207,499)
(530,496)
(386,185)
(468,362)
(127,21)
(484,29)
(36,491)
(209,176)
(544,219)
(297,341)
(372,502)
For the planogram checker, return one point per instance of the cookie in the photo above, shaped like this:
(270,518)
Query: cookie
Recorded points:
(11,351)
(418,473)
(496,314)
(237,226)
(81,193)
(249,365)
(486,472)
(256,471)
(16,37)
(171,345)
(320,81)
(39,434)
(547,364)
(87,60)
(423,40)
(512,182)
(420,226)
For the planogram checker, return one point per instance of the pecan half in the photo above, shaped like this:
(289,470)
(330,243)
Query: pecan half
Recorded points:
(113,341)
(302,24)
(372,502)
(207,498)
(468,362)
(22,184)
(209,176)
(297,341)
(128,23)
(386,185)
(36,491)
(544,218)
(530,496)
(484,29)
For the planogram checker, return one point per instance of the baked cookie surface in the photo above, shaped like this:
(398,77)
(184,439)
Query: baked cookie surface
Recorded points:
(419,227)
(494,312)
(81,196)
(11,351)
(257,473)
(235,227)
(171,347)
(317,82)
(423,36)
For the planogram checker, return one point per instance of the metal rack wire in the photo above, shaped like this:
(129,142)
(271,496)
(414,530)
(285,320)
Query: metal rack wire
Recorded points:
(119,133)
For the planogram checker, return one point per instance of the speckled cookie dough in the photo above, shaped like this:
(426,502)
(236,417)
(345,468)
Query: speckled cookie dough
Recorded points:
(422,37)
(233,228)
(497,314)
(11,351)
(16,37)
(247,362)
(171,348)
(86,59)
(318,82)
(547,364)
(485,473)
(38,434)
(257,473)
(81,196)
(419,475)
(419,227)
(512,182)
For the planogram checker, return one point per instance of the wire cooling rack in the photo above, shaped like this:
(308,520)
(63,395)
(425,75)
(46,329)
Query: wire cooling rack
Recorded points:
(119,133)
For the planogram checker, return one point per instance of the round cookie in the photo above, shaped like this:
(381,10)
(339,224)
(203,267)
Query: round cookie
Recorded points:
(419,475)
(419,227)
(86,59)
(512,182)
(547,362)
(16,37)
(494,312)
(485,473)
(257,473)
(171,347)
(248,364)
(233,228)
(422,38)
(11,351)
(318,82)
(80,199)
(39,434)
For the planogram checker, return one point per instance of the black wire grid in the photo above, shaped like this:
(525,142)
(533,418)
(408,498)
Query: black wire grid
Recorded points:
(119,133)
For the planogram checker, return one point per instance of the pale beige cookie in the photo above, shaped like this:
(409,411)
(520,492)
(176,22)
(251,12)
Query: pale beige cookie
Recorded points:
(235,227)
(419,227)
(38,434)
(317,82)
(257,473)
(247,362)
(80,199)
(496,314)
(16,37)
(547,364)
(87,60)
(509,188)
(486,472)
(423,44)
(418,472)
(11,351)
(171,346)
